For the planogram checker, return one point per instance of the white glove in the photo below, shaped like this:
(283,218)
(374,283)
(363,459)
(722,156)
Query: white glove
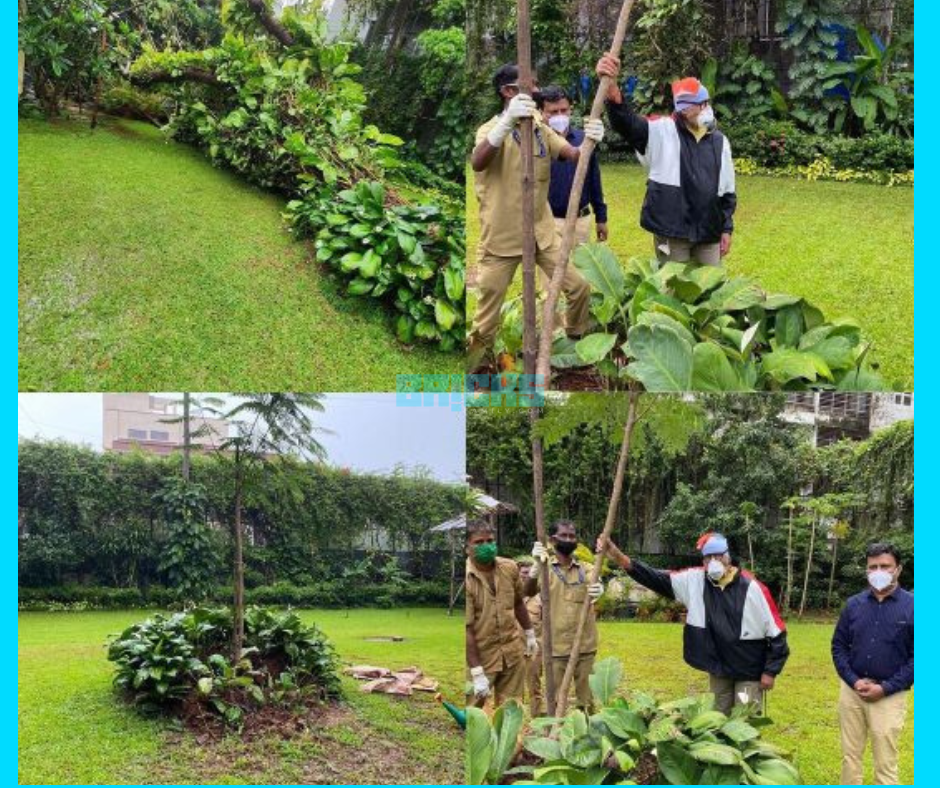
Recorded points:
(481,684)
(595,590)
(520,106)
(539,552)
(594,129)
(531,644)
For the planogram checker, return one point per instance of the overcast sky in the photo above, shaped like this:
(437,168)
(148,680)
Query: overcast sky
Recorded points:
(370,431)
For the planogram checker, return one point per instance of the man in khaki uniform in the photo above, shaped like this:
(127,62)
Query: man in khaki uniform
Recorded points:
(567,589)
(495,609)
(873,653)
(497,166)
(533,678)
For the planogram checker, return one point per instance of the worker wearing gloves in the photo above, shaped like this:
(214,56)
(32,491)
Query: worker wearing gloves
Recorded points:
(690,194)
(497,165)
(733,631)
(567,588)
(495,607)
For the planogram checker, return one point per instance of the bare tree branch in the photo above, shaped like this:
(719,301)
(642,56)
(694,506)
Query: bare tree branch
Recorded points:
(269,23)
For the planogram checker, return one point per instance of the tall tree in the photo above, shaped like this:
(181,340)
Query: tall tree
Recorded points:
(266,427)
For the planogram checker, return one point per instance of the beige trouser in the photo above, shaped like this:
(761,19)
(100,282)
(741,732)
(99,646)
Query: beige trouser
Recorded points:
(504,684)
(882,722)
(678,250)
(495,276)
(533,685)
(582,672)
(730,693)
(582,235)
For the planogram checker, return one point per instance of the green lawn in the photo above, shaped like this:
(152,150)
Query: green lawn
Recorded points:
(847,247)
(74,729)
(803,704)
(142,267)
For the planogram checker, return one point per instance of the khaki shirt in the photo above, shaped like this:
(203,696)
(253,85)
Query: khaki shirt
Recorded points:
(534,605)
(567,592)
(499,191)
(493,616)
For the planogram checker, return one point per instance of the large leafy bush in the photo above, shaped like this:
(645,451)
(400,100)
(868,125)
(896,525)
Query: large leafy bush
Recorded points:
(168,660)
(412,256)
(630,740)
(285,111)
(676,327)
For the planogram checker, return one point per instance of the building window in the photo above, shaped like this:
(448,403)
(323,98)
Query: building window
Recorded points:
(140,435)
(158,435)
(904,399)
(158,404)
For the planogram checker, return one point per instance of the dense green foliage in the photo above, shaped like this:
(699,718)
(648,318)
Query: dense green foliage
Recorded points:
(629,738)
(412,256)
(678,327)
(850,87)
(96,518)
(165,661)
(742,452)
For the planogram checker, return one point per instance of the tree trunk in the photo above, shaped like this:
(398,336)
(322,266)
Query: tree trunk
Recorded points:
(187,444)
(547,644)
(238,629)
(809,566)
(269,23)
(524,60)
(832,573)
(574,204)
(789,588)
(750,547)
(562,699)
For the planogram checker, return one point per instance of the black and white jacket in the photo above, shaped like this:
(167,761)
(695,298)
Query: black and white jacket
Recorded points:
(690,187)
(734,632)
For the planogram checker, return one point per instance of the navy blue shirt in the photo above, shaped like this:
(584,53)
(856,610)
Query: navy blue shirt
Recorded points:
(875,640)
(562,178)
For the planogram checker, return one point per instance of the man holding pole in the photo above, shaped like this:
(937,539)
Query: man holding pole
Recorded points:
(497,164)
(568,587)
(690,194)
(733,631)
(495,608)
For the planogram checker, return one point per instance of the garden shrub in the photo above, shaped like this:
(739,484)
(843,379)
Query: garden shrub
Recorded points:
(166,661)
(774,144)
(630,740)
(287,114)
(328,594)
(413,256)
(678,327)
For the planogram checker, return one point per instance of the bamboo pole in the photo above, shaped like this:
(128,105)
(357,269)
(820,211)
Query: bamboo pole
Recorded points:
(524,63)
(543,366)
(562,697)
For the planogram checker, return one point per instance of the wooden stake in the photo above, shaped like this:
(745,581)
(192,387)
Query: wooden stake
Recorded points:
(529,340)
(562,698)
(543,368)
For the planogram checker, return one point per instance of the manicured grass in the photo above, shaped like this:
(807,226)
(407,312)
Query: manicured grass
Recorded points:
(846,247)
(803,705)
(73,728)
(142,267)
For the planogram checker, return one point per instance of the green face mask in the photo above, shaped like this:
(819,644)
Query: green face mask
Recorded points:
(485,553)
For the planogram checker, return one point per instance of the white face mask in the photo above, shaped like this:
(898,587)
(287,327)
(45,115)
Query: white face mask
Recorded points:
(706,118)
(880,579)
(715,570)
(560,123)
